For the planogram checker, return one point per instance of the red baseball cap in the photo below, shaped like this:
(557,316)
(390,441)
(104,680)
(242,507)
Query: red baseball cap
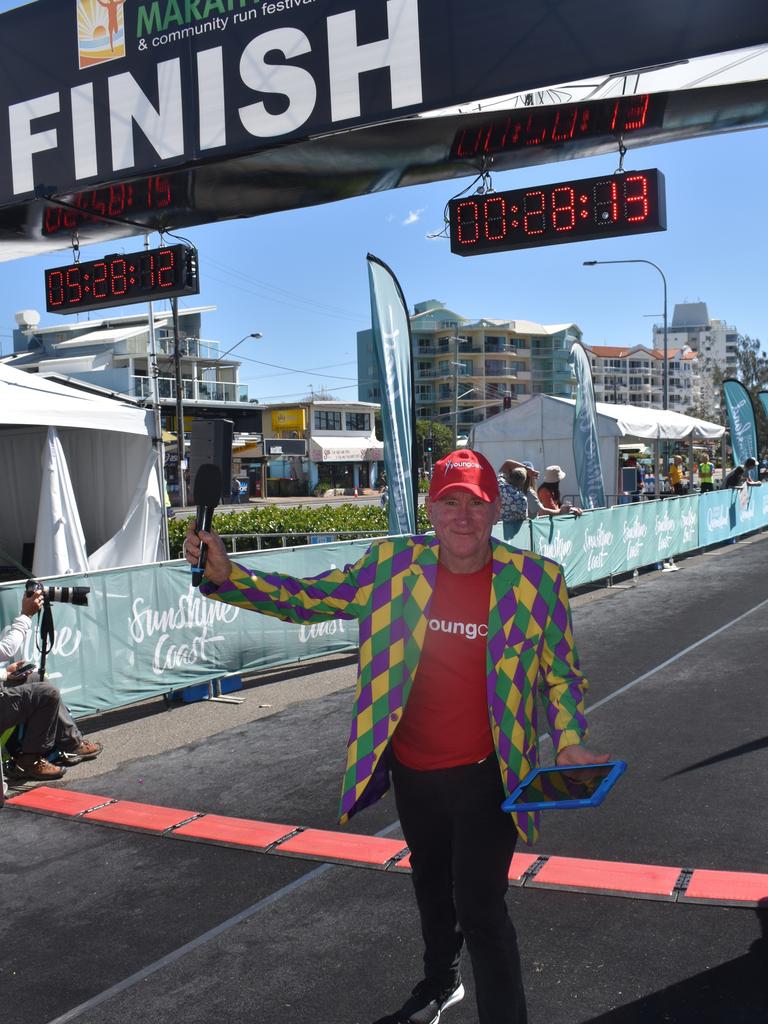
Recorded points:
(464,470)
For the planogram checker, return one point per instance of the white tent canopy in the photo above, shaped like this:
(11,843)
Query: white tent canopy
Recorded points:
(96,459)
(540,430)
(632,421)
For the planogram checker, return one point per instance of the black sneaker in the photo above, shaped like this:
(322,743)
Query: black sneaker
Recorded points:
(426,1004)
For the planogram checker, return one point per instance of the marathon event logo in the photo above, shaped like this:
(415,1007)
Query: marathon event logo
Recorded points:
(690,523)
(182,634)
(598,546)
(633,535)
(717,518)
(100,31)
(557,549)
(665,531)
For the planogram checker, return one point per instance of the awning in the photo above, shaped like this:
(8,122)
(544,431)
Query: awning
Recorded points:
(76,364)
(345,449)
(108,336)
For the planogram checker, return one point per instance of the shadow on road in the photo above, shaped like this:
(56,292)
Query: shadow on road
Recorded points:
(735,992)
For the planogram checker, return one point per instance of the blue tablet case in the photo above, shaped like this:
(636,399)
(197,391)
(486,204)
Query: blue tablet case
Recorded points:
(557,788)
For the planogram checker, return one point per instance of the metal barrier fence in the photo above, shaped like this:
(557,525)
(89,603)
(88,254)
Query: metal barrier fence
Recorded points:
(146,630)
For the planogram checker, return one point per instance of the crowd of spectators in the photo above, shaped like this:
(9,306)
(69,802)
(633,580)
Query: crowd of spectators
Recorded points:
(525,496)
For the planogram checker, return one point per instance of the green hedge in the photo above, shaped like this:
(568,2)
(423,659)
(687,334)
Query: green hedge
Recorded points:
(295,522)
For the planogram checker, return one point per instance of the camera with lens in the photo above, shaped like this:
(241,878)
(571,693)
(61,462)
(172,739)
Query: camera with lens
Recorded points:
(70,595)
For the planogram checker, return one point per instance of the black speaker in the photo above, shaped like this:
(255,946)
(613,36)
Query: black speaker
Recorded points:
(211,441)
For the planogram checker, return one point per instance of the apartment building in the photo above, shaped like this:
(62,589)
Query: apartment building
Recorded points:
(113,352)
(713,340)
(635,376)
(467,370)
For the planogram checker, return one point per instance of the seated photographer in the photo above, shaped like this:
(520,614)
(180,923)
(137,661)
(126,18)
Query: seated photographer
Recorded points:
(37,705)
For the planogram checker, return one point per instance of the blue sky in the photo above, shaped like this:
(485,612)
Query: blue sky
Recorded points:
(300,277)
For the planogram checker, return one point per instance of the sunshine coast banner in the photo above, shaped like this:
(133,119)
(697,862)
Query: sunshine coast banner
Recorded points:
(741,420)
(392,344)
(586,445)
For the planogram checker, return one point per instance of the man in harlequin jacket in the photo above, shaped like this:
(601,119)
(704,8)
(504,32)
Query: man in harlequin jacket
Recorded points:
(457,631)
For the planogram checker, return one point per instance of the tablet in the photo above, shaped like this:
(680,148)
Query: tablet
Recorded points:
(560,788)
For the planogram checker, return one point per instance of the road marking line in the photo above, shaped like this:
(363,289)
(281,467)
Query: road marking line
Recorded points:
(201,940)
(675,657)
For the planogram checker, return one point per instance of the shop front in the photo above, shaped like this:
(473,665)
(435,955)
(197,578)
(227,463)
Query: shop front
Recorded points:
(338,463)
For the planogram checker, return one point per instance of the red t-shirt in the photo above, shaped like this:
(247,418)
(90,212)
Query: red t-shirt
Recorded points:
(445,722)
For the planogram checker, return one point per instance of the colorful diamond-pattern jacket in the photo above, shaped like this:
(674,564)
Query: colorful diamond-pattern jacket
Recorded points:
(388,590)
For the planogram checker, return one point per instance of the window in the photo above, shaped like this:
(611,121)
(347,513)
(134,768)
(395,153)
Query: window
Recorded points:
(358,421)
(326,420)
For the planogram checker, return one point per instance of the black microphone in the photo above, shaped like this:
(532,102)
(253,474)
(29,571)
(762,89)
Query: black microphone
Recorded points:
(207,494)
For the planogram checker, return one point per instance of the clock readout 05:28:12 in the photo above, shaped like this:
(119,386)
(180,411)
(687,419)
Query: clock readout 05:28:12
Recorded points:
(570,211)
(118,279)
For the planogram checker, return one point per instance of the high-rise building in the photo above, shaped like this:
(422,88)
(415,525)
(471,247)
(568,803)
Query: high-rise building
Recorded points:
(635,375)
(465,369)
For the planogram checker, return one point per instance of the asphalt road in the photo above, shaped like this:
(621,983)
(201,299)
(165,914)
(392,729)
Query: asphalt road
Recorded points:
(106,925)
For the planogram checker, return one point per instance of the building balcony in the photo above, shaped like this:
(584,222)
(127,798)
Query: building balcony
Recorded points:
(202,391)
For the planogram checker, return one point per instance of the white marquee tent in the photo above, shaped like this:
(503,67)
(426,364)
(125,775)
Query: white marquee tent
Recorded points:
(540,430)
(81,478)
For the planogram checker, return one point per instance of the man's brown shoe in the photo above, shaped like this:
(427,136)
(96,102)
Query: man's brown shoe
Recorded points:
(36,769)
(87,751)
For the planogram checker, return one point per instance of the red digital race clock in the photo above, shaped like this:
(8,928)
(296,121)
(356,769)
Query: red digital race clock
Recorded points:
(559,125)
(121,279)
(570,211)
(122,200)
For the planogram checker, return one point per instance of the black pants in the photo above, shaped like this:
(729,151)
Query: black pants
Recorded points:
(37,706)
(461,846)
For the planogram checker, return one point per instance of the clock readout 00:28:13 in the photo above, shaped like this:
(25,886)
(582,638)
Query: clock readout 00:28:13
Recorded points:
(569,211)
(117,279)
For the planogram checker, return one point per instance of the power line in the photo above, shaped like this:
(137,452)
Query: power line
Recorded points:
(281,296)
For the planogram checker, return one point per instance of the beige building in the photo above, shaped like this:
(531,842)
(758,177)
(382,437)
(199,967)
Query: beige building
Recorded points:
(635,376)
(467,370)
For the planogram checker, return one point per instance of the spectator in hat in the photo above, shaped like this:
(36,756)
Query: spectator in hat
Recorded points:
(444,710)
(512,491)
(549,494)
(535,505)
(739,475)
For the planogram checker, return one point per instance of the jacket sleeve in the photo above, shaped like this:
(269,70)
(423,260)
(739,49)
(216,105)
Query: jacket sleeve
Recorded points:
(14,636)
(563,684)
(335,594)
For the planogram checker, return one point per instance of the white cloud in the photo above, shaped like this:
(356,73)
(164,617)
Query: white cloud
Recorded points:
(413,216)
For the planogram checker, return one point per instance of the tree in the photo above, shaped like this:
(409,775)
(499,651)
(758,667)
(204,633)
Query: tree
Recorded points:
(323,395)
(752,371)
(442,439)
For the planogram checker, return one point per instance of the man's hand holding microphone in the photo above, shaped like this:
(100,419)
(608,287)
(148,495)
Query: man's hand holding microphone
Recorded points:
(203,548)
(217,565)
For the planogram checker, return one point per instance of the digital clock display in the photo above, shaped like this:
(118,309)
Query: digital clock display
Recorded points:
(121,279)
(557,125)
(121,201)
(570,211)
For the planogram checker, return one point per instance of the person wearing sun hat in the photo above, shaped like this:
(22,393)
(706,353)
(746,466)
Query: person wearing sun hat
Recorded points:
(549,494)
(532,490)
(458,632)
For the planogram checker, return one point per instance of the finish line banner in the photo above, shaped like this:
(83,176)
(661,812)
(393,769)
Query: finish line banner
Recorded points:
(94,92)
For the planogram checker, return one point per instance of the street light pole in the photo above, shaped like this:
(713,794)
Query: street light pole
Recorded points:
(255,335)
(665,368)
(179,407)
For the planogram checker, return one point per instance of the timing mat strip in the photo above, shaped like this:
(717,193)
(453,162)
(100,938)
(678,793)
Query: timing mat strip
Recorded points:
(608,878)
